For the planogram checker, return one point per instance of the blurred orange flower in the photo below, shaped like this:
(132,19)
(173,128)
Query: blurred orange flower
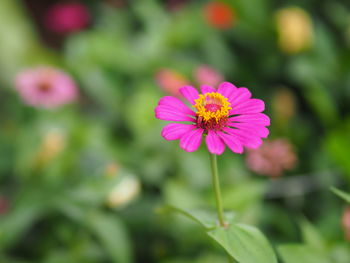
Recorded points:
(219,15)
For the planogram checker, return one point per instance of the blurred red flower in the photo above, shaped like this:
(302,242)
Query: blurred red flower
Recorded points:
(219,15)
(65,18)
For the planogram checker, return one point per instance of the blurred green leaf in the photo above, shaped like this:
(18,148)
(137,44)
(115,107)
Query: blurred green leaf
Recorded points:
(301,254)
(112,233)
(341,194)
(311,235)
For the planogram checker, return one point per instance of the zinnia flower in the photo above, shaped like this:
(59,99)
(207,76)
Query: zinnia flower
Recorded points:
(67,17)
(226,116)
(272,158)
(219,15)
(206,75)
(45,87)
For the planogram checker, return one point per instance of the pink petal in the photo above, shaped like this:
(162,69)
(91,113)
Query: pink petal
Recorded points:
(227,89)
(247,139)
(174,131)
(207,89)
(248,107)
(214,143)
(190,93)
(168,113)
(191,140)
(232,141)
(176,104)
(257,118)
(239,96)
(257,130)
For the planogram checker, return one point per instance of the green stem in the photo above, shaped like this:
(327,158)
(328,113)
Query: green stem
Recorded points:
(216,185)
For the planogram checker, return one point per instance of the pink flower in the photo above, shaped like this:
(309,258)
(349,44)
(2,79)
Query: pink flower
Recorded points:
(226,116)
(206,75)
(67,17)
(45,87)
(170,80)
(346,222)
(272,158)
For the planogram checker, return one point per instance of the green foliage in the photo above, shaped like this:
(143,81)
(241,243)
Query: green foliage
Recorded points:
(56,196)
(243,242)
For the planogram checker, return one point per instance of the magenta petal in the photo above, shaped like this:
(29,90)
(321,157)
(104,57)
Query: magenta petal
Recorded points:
(191,140)
(214,143)
(174,131)
(232,142)
(227,89)
(190,93)
(248,107)
(168,113)
(257,118)
(239,96)
(247,139)
(254,129)
(177,104)
(207,89)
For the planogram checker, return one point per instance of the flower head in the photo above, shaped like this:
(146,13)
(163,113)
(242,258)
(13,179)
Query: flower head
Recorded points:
(206,75)
(45,87)
(226,116)
(219,15)
(65,18)
(272,158)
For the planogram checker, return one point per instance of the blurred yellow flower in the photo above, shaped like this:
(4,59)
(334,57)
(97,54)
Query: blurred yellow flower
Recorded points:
(53,143)
(124,191)
(295,30)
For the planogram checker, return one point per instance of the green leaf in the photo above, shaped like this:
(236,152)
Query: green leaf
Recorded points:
(311,235)
(208,219)
(341,194)
(112,234)
(244,243)
(301,254)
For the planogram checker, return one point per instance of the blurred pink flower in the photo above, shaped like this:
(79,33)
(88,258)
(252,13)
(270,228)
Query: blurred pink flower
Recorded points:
(45,87)
(67,17)
(4,205)
(175,5)
(346,222)
(227,116)
(206,75)
(272,158)
(170,81)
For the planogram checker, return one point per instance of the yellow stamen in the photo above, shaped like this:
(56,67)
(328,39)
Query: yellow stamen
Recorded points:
(220,103)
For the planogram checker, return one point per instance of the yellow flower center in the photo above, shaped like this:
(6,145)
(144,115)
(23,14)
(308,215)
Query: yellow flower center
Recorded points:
(212,106)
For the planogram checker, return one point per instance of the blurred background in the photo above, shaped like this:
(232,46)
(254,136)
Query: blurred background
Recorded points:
(84,172)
